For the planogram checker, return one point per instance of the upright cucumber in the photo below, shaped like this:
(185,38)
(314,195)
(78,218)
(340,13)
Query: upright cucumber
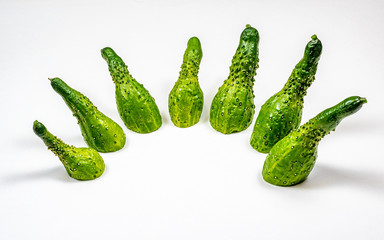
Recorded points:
(99,131)
(185,101)
(137,108)
(80,163)
(233,106)
(282,112)
(291,159)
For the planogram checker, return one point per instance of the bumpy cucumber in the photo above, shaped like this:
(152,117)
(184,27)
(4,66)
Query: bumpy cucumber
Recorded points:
(233,107)
(80,163)
(282,112)
(99,131)
(137,108)
(185,101)
(291,159)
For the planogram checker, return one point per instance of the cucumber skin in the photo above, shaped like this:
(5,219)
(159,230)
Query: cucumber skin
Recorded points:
(99,131)
(233,107)
(291,160)
(186,99)
(276,119)
(80,163)
(282,112)
(137,108)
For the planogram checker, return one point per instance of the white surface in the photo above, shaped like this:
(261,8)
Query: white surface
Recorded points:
(187,183)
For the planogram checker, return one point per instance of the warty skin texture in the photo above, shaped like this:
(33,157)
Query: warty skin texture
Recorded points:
(185,101)
(282,112)
(137,108)
(80,163)
(292,159)
(233,107)
(99,131)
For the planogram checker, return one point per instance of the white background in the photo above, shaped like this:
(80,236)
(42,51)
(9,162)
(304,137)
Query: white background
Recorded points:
(191,183)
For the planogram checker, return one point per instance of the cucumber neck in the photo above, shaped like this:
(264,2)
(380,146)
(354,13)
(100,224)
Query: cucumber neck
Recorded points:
(56,145)
(246,59)
(190,68)
(330,118)
(191,60)
(117,68)
(78,103)
(61,87)
(245,62)
(301,78)
(304,72)
(312,132)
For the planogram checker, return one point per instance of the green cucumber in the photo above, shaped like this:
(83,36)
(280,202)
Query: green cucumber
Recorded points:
(291,159)
(282,112)
(185,101)
(99,131)
(137,108)
(80,163)
(233,107)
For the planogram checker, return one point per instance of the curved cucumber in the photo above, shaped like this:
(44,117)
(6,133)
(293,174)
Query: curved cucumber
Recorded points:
(185,101)
(291,159)
(137,108)
(99,131)
(80,163)
(233,106)
(282,112)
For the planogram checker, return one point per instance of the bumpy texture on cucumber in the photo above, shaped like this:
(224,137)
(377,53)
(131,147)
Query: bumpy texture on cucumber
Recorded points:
(282,112)
(233,107)
(185,101)
(80,163)
(137,108)
(291,159)
(99,131)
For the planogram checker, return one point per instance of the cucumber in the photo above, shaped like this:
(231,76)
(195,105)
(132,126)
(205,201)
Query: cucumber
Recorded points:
(80,163)
(185,101)
(233,107)
(292,159)
(137,108)
(282,112)
(99,131)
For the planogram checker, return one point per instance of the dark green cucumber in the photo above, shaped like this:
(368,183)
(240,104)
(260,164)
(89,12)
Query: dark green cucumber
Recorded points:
(137,108)
(80,163)
(233,107)
(282,112)
(99,131)
(185,101)
(291,159)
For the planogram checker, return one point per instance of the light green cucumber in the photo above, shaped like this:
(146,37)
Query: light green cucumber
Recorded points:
(185,101)
(137,108)
(99,131)
(80,163)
